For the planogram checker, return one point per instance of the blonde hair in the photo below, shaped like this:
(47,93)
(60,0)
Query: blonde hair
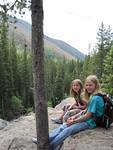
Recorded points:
(95,80)
(77,96)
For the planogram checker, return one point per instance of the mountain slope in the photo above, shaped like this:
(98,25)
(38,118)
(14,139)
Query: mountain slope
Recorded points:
(67,48)
(55,47)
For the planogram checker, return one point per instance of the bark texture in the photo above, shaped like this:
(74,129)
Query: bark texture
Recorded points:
(38,74)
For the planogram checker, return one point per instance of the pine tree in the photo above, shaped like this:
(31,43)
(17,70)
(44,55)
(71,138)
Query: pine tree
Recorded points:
(25,79)
(105,38)
(107,76)
(59,84)
(14,66)
(6,75)
(50,75)
(86,67)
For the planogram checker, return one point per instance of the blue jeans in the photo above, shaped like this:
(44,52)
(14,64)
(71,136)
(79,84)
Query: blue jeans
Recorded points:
(60,134)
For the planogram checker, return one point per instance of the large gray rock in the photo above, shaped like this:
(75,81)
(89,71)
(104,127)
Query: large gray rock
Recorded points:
(17,135)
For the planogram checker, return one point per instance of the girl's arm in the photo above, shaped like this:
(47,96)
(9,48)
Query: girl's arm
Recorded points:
(80,107)
(83,117)
(72,106)
(76,115)
(83,105)
(79,119)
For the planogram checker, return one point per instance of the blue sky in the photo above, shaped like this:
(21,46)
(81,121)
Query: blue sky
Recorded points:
(75,21)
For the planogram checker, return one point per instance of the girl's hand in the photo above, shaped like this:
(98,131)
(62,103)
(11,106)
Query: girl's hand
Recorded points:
(70,107)
(70,121)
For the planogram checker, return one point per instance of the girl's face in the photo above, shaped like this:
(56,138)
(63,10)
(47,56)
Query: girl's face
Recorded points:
(76,87)
(90,87)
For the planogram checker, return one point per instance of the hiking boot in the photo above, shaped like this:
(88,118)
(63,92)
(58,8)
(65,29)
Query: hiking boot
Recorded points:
(34,140)
(56,120)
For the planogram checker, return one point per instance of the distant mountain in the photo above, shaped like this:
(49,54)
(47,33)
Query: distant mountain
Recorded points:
(66,47)
(52,46)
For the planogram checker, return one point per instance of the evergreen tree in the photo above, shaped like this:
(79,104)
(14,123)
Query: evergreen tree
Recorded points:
(105,38)
(14,66)
(86,67)
(50,75)
(59,85)
(107,76)
(25,78)
(78,69)
(6,75)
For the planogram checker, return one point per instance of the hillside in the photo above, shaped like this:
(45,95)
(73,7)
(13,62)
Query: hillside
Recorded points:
(56,47)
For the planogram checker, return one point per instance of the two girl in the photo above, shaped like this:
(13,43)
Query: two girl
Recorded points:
(78,106)
(85,121)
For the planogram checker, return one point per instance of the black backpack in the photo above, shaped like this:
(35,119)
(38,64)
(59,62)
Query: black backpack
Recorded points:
(107,119)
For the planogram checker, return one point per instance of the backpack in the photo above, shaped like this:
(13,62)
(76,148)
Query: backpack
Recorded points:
(107,119)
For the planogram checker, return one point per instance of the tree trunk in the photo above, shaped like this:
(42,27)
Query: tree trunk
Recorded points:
(38,74)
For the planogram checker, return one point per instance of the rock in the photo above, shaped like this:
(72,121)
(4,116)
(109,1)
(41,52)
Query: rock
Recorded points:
(22,144)
(66,101)
(17,134)
(94,139)
(3,124)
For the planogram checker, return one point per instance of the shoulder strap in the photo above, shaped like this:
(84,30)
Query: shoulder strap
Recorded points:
(106,98)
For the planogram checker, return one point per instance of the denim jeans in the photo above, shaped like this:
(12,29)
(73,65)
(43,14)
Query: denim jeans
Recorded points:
(60,134)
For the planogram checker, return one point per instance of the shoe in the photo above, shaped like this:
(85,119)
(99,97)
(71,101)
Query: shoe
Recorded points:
(58,121)
(34,140)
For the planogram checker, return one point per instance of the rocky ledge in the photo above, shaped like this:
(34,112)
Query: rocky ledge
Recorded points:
(17,134)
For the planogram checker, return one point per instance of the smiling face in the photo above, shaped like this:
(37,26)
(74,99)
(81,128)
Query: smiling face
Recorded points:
(76,87)
(90,87)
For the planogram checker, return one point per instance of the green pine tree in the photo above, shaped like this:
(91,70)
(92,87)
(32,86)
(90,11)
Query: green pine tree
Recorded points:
(107,76)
